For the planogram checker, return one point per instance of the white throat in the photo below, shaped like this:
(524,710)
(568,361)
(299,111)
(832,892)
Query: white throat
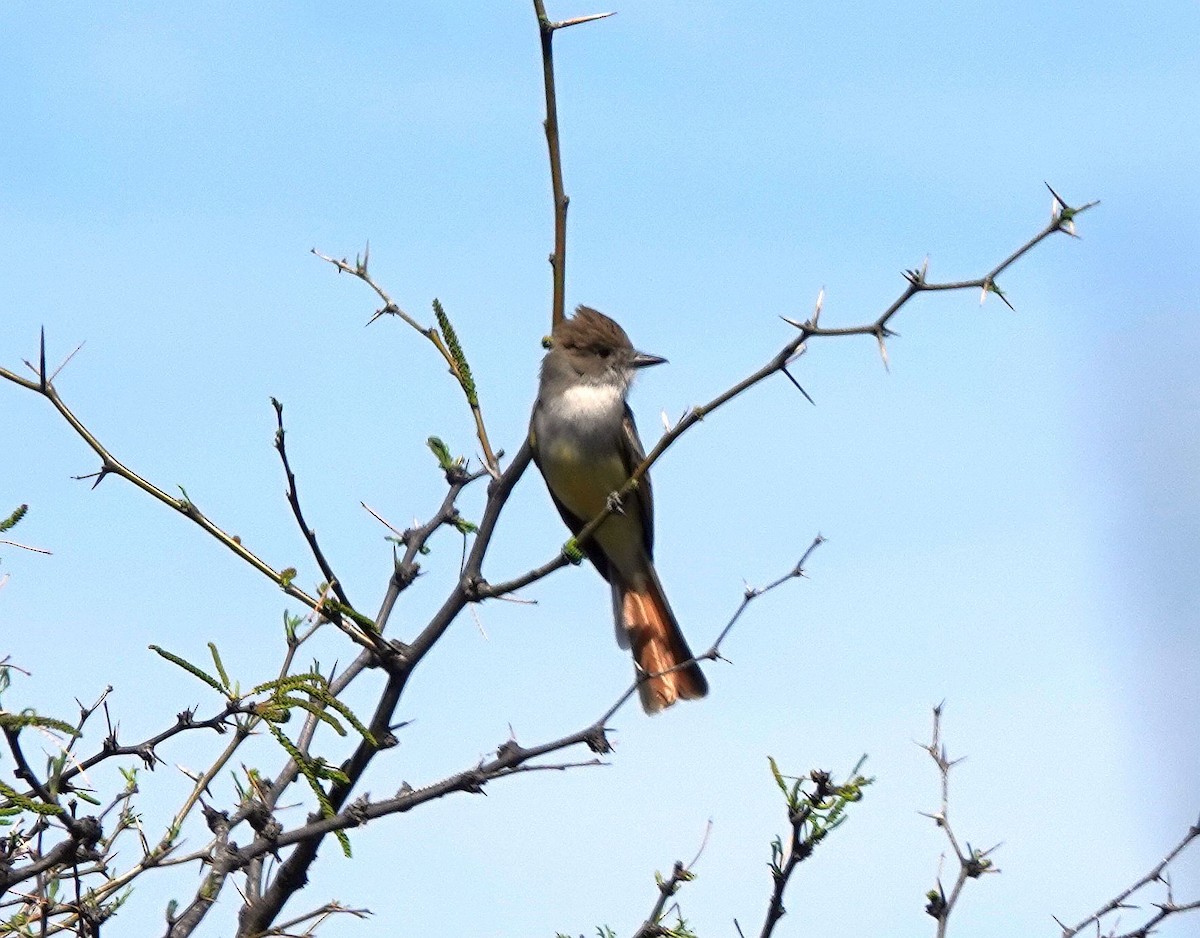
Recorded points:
(591,401)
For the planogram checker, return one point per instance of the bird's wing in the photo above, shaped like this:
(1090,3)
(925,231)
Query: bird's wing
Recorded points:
(640,499)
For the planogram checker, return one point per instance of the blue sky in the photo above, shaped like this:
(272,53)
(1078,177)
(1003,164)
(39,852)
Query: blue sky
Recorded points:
(1013,511)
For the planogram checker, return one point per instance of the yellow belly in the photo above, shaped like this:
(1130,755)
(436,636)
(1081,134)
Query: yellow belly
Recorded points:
(582,485)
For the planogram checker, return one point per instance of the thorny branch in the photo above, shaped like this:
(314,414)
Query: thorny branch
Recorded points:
(972,862)
(110,465)
(317,917)
(444,341)
(1062,220)
(558,258)
(812,815)
(1166,908)
(652,927)
(293,497)
(511,759)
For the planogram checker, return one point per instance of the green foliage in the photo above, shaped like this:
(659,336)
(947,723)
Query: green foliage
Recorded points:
(977,863)
(311,686)
(315,686)
(446,461)
(813,813)
(18,721)
(313,772)
(291,625)
(191,669)
(365,623)
(463,526)
(14,519)
(308,691)
(572,551)
(17,803)
(454,347)
(216,656)
(681,929)
(256,784)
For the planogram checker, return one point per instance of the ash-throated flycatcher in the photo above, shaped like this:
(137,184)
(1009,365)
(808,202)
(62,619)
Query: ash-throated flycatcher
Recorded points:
(586,445)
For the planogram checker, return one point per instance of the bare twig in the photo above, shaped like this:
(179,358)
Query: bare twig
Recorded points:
(1156,875)
(317,917)
(972,862)
(36,550)
(558,259)
(752,593)
(293,498)
(443,343)
(110,465)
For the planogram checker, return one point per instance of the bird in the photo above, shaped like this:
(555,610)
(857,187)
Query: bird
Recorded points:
(586,445)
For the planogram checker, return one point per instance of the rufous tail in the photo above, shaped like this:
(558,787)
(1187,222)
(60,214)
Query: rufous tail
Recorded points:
(658,645)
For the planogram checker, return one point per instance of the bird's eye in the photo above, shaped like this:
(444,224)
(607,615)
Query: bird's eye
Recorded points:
(603,352)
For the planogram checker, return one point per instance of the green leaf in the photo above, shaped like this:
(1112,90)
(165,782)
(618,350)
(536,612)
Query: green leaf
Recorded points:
(441,452)
(216,656)
(14,519)
(309,707)
(310,775)
(18,721)
(464,526)
(779,780)
(456,352)
(189,667)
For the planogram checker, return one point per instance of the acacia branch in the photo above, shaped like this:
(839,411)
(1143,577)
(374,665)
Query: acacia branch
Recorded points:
(558,259)
(972,863)
(292,874)
(293,498)
(445,344)
(405,571)
(811,816)
(318,918)
(471,586)
(77,846)
(1062,220)
(166,846)
(110,465)
(184,722)
(1165,909)
(510,759)
(680,874)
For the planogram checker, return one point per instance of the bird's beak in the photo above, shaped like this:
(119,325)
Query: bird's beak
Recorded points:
(644,360)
